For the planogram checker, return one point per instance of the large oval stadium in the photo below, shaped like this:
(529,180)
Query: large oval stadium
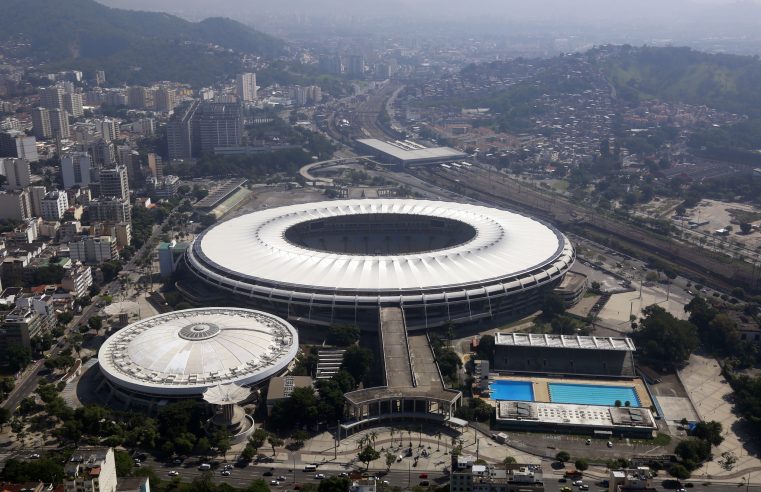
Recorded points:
(183,353)
(339,261)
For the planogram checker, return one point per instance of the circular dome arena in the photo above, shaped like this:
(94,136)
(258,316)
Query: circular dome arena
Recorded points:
(339,261)
(183,353)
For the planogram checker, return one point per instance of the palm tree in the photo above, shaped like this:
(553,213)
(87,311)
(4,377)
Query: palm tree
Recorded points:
(373,436)
(438,441)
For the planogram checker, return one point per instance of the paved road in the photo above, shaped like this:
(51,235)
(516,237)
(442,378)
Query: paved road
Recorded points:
(28,381)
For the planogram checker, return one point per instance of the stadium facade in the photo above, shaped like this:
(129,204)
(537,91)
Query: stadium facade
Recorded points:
(341,261)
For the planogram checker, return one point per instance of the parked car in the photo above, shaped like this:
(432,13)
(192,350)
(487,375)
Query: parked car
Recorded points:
(319,476)
(225,473)
(174,473)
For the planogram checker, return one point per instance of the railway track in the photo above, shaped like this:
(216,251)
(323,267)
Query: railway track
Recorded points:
(503,191)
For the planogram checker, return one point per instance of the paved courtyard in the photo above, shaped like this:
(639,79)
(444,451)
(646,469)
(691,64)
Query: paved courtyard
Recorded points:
(618,308)
(710,392)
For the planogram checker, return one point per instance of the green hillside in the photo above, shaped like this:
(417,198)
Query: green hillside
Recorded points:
(725,82)
(132,46)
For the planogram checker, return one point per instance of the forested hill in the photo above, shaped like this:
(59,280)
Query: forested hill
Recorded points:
(131,46)
(721,81)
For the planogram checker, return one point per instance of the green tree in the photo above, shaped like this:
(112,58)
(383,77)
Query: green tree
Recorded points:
(664,338)
(18,357)
(203,446)
(258,438)
(552,305)
(124,463)
(390,459)
(679,471)
(334,484)
(95,323)
(709,431)
(562,456)
(367,455)
(485,349)
(5,417)
(274,441)
(357,361)
(581,464)
(258,485)
(509,460)
(342,335)
(44,469)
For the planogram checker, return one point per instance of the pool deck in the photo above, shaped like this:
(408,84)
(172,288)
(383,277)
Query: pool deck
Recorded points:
(542,394)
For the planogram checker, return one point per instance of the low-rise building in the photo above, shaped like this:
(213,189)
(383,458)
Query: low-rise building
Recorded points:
(632,479)
(133,484)
(489,478)
(169,256)
(280,388)
(91,469)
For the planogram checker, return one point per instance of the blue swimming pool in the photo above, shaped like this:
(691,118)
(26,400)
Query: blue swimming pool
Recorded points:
(589,394)
(512,390)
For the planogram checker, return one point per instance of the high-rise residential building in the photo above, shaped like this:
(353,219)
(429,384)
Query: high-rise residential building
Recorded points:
(73,104)
(356,66)
(140,97)
(52,97)
(156,165)
(41,123)
(112,210)
(331,64)
(77,279)
(15,205)
(17,172)
(19,329)
(129,158)
(108,129)
(164,99)
(113,182)
(93,249)
(91,469)
(100,77)
(102,152)
(179,132)
(77,169)
(14,143)
(36,194)
(54,205)
(219,125)
(246,87)
(59,123)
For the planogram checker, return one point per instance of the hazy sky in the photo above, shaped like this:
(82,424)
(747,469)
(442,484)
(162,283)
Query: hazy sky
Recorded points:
(657,18)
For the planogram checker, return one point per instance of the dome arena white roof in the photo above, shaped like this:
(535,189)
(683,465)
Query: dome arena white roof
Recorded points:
(186,352)
(254,248)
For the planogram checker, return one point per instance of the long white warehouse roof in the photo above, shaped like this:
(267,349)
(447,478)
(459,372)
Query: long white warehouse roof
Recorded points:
(564,341)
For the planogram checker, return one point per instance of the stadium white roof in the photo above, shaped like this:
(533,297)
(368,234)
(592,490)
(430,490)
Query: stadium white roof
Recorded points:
(409,153)
(564,341)
(186,352)
(253,248)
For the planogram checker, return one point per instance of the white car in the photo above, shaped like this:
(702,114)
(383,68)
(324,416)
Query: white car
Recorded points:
(319,476)
(174,473)
(225,473)
(577,483)
(610,444)
(274,482)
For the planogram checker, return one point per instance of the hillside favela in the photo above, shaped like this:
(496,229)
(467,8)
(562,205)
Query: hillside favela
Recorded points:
(380,246)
